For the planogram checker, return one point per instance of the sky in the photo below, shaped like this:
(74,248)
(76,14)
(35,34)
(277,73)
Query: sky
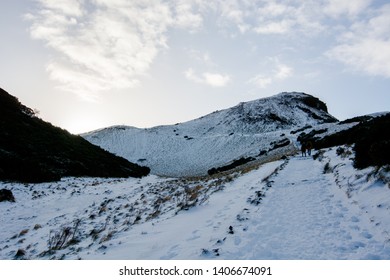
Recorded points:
(89,64)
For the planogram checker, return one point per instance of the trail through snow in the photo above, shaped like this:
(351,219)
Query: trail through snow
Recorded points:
(302,215)
(306,216)
(287,209)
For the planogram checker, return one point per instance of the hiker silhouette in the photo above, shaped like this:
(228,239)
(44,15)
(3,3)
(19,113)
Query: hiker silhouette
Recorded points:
(306,148)
(309,147)
(303,149)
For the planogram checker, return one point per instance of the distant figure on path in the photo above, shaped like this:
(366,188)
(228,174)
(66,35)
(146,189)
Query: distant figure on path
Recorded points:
(303,149)
(309,146)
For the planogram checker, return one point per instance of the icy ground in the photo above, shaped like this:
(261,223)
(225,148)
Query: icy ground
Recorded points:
(298,208)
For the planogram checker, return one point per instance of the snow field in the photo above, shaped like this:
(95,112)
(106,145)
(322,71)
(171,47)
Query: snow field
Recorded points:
(286,209)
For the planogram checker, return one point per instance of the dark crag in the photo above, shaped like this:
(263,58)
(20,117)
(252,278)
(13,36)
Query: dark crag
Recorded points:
(370,137)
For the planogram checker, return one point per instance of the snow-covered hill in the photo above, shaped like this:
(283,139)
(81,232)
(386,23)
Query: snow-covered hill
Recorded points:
(273,207)
(194,147)
(297,208)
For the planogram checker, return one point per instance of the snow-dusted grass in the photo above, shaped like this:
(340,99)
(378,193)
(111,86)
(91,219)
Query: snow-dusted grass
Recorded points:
(286,209)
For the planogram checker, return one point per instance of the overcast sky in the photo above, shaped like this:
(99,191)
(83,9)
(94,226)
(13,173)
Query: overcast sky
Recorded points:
(88,64)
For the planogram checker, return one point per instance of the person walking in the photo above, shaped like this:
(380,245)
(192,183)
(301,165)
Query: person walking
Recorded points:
(303,149)
(309,147)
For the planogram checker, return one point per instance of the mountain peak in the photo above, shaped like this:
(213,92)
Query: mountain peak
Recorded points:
(281,111)
(217,139)
(307,99)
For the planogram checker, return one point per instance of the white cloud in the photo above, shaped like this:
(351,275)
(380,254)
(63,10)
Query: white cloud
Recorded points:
(101,45)
(280,27)
(283,71)
(201,57)
(260,81)
(186,15)
(266,17)
(279,72)
(109,43)
(366,46)
(65,7)
(190,75)
(336,8)
(232,12)
(216,79)
(371,56)
(287,17)
(207,78)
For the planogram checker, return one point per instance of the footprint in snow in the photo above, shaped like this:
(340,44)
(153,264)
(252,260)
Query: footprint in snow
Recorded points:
(366,234)
(339,215)
(354,219)
(172,253)
(219,241)
(194,236)
(356,245)
(355,228)
(208,253)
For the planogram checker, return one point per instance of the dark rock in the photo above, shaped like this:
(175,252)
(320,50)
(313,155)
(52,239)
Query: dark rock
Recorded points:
(234,164)
(20,253)
(371,138)
(262,153)
(6,195)
(216,252)
(301,129)
(282,143)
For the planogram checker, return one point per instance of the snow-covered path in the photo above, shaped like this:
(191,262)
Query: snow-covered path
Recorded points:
(282,210)
(306,216)
(303,215)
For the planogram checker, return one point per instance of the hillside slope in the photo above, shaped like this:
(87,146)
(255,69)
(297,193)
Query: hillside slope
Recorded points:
(287,209)
(215,140)
(32,150)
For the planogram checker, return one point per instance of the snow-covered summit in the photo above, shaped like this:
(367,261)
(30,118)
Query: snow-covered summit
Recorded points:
(281,111)
(194,147)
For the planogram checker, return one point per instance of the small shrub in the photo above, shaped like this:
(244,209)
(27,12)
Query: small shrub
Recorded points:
(327,168)
(23,232)
(193,193)
(340,151)
(108,237)
(153,215)
(64,237)
(343,152)
(319,155)
(37,226)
